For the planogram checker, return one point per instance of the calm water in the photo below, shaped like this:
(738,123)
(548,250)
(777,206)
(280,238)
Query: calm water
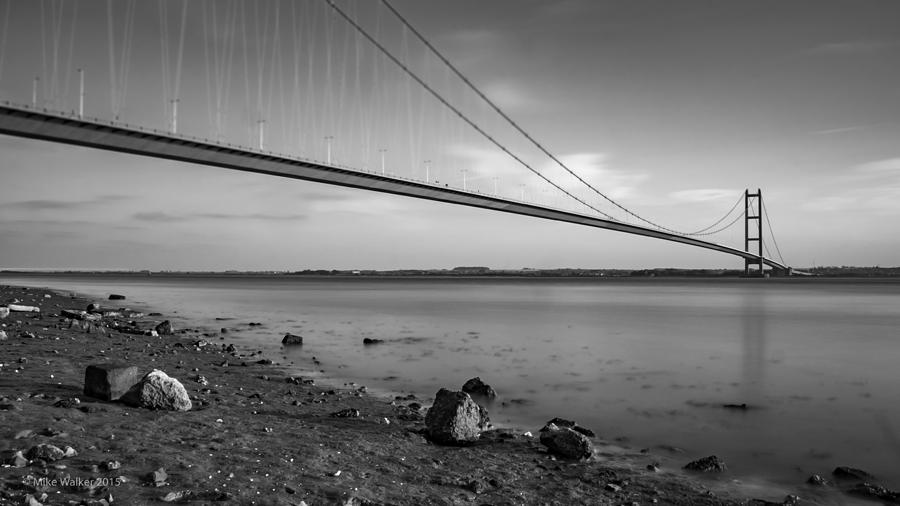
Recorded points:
(651,361)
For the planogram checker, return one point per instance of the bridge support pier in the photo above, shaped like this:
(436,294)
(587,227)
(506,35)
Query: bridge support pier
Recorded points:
(753,233)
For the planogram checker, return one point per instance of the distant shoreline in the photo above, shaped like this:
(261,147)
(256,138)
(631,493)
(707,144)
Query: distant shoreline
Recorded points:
(481,272)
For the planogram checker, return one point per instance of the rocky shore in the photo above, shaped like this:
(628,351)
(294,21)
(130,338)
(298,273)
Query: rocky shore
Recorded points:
(247,432)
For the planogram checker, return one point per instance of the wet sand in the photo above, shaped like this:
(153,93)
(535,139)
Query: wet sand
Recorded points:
(257,436)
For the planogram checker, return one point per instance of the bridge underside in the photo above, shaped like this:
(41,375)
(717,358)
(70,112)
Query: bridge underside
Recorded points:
(43,125)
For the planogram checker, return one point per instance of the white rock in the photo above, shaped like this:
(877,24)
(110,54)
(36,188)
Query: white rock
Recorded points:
(158,390)
(24,309)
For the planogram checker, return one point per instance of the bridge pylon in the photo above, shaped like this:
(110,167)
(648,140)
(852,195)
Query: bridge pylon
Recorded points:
(753,233)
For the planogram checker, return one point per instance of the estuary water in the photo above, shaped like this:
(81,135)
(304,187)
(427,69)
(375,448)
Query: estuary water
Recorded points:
(647,362)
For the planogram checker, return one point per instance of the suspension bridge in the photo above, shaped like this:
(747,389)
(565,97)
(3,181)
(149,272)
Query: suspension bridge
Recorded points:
(379,81)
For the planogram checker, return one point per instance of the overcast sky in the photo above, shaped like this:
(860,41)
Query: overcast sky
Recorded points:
(672,108)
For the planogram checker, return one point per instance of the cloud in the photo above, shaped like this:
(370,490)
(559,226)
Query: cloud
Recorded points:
(886,166)
(854,47)
(703,194)
(508,95)
(252,216)
(841,130)
(38,205)
(157,217)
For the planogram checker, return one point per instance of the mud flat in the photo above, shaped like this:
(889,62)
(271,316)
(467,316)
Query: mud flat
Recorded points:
(256,435)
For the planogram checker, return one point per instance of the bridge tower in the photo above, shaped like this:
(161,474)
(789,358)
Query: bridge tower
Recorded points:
(753,223)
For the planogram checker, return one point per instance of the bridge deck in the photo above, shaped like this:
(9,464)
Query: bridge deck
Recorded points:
(45,125)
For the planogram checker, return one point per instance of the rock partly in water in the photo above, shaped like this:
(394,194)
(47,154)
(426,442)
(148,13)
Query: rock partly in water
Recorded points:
(562,422)
(710,464)
(455,419)
(818,481)
(566,442)
(292,339)
(94,307)
(158,390)
(370,340)
(164,328)
(116,296)
(109,381)
(851,473)
(476,387)
(875,492)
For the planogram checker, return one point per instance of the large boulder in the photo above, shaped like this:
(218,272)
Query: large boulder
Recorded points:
(292,339)
(566,442)
(158,390)
(455,418)
(109,381)
(477,388)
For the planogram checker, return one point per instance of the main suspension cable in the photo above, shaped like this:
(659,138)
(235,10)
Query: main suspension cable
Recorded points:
(771,232)
(447,104)
(516,125)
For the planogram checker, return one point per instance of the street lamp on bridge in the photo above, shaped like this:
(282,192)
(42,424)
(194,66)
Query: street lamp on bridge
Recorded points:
(328,139)
(382,151)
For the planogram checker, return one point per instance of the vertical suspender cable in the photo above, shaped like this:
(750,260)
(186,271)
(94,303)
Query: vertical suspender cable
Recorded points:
(3,32)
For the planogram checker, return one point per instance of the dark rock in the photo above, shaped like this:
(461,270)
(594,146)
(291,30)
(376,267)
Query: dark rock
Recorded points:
(455,418)
(48,453)
(109,381)
(157,390)
(851,473)
(875,492)
(292,339)
(476,387)
(164,328)
(710,464)
(346,413)
(154,314)
(742,407)
(71,402)
(115,296)
(567,443)
(264,361)
(369,340)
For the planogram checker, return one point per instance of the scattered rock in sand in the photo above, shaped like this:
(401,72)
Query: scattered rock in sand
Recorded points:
(116,296)
(45,452)
(742,407)
(818,481)
(109,381)
(567,443)
(710,464)
(4,312)
(23,309)
(158,478)
(292,339)
(176,496)
(346,413)
(3,336)
(158,390)
(371,340)
(476,387)
(851,473)
(111,465)
(455,418)
(70,402)
(94,307)
(875,492)
(562,422)
(164,328)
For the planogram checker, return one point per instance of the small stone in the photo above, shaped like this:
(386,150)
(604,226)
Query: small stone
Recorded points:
(346,413)
(22,434)
(710,464)
(116,296)
(94,307)
(17,460)
(70,452)
(112,465)
(175,496)
(817,481)
(158,478)
(164,328)
(45,452)
(71,402)
(291,339)
(612,487)
(368,341)
(3,336)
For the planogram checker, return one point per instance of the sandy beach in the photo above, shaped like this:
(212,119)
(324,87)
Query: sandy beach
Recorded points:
(258,436)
